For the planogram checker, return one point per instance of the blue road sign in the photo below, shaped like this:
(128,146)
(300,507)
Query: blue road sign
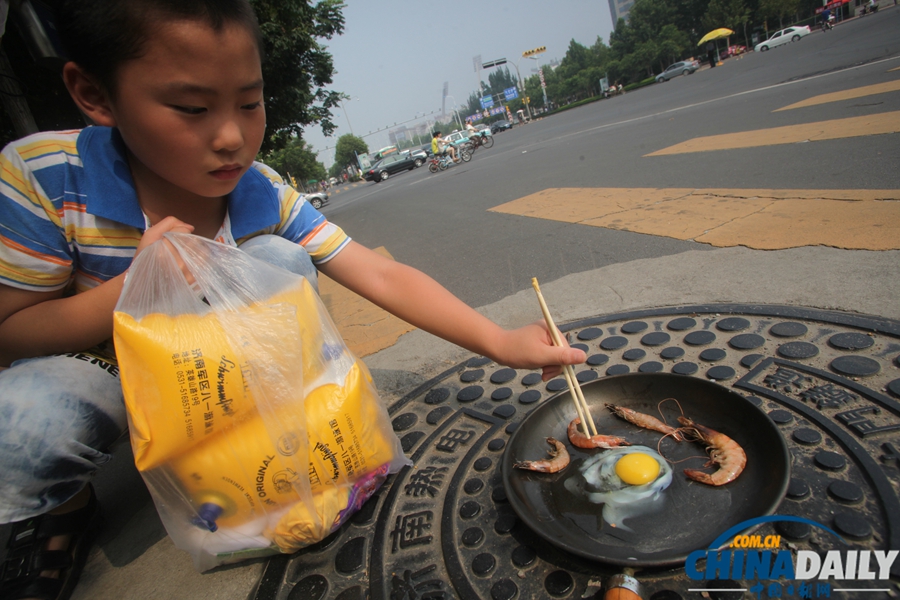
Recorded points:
(511,93)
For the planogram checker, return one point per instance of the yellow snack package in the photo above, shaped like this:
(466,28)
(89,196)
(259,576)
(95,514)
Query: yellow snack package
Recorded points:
(195,372)
(241,474)
(253,426)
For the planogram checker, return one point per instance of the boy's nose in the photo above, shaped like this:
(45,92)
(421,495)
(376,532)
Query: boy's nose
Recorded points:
(229,136)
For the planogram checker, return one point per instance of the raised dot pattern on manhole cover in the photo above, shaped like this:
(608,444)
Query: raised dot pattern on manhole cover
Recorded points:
(829,382)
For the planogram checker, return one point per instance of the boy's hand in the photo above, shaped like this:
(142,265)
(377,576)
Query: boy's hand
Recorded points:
(531,347)
(156,232)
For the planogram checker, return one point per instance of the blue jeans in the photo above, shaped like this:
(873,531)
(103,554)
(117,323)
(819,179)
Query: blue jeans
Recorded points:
(59,414)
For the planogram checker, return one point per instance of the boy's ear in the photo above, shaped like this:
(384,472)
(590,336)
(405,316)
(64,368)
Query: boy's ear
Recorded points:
(88,94)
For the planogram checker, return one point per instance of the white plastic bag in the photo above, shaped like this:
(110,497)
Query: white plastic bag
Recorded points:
(253,426)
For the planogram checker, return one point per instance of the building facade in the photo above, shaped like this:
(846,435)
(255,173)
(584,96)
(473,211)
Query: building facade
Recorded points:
(618,9)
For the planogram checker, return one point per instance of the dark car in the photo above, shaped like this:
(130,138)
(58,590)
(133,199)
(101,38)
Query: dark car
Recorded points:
(390,165)
(500,126)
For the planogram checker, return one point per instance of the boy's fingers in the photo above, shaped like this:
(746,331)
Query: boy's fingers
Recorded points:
(571,356)
(574,356)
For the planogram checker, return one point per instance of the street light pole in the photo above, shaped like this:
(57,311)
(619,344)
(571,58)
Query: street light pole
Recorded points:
(341,101)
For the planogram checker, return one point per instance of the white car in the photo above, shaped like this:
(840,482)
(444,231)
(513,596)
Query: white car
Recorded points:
(791,34)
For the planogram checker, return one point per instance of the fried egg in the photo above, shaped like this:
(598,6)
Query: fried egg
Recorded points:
(628,481)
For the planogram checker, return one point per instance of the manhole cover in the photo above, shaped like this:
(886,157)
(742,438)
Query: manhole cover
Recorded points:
(444,527)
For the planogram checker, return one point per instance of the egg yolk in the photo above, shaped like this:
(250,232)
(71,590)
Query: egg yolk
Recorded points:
(637,468)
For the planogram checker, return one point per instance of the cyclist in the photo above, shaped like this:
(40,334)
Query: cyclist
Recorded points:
(470,129)
(440,147)
(475,137)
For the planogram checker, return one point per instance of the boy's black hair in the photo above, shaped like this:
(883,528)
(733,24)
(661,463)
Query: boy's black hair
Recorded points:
(99,35)
(436,133)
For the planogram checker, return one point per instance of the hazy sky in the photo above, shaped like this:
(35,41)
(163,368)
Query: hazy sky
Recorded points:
(395,55)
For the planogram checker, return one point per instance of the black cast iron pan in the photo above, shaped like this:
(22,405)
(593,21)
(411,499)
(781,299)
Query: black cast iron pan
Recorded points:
(692,515)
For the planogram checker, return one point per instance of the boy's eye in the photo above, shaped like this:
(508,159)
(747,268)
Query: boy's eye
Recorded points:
(253,106)
(189,110)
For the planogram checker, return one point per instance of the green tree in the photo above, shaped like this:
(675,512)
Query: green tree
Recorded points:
(297,67)
(647,40)
(688,17)
(778,8)
(346,149)
(500,80)
(732,14)
(296,159)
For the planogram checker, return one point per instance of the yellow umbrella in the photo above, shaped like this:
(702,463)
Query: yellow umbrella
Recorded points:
(715,34)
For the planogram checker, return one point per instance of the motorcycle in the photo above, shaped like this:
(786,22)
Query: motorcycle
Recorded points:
(828,23)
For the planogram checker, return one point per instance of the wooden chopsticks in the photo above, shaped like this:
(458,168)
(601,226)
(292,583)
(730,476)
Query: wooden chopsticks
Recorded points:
(581,406)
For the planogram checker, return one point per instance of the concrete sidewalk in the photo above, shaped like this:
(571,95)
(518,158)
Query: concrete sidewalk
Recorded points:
(135,559)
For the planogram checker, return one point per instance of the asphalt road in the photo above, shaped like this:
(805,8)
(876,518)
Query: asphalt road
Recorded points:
(440,223)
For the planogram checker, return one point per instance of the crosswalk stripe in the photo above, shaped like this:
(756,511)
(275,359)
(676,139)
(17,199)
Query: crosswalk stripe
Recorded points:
(868,90)
(834,129)
(756,218)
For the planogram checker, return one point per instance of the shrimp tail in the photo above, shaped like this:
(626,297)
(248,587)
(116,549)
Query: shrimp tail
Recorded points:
(559,459)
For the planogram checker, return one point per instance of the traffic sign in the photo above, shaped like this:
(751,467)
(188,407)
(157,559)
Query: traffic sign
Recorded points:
(487,102)
(511,93)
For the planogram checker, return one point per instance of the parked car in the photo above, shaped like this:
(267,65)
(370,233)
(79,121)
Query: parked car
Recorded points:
(791,34)
(333,181)
(317,199)
(501,125)
(389,165)
(682,67)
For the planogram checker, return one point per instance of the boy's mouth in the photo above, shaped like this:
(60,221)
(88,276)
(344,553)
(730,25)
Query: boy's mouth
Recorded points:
(227,172)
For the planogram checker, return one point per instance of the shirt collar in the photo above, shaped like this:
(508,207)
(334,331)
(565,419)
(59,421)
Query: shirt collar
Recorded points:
(253,205)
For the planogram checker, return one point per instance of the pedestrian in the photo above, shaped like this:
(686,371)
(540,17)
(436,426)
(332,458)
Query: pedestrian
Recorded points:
(176,97)
(711,53)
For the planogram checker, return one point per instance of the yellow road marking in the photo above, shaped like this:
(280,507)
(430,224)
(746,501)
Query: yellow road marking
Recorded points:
(894,69)
(868,90)
(881,123)
(760,219)
(366,328)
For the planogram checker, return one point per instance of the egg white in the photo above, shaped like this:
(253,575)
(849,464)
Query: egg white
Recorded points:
(597,480)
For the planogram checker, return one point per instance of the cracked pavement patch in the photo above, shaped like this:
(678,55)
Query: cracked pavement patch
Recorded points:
(756,218)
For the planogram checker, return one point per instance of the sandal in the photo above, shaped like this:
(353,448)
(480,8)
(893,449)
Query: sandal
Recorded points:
(26,558)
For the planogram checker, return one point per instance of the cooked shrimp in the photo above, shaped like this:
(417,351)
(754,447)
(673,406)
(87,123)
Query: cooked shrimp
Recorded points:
(723,451)
(580,440)
(559,459)
(645,421)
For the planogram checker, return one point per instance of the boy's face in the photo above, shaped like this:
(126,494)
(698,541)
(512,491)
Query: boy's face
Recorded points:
(191,108)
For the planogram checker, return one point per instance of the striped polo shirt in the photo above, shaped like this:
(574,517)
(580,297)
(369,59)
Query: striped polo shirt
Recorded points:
(69,213)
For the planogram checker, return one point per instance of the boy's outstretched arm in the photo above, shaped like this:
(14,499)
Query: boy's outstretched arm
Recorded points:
(421,301)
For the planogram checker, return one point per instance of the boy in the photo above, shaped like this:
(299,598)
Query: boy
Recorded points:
(440,147)
(175,89)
